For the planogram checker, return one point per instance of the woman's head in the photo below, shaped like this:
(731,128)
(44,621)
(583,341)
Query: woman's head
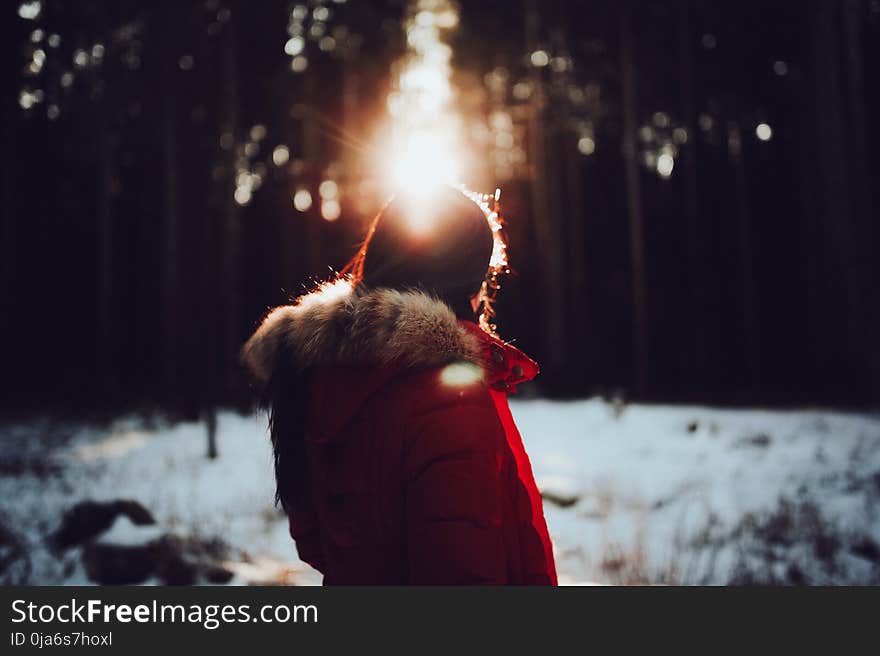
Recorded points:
(441,243)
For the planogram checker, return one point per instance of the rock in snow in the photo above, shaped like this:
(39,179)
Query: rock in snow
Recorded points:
(88,519)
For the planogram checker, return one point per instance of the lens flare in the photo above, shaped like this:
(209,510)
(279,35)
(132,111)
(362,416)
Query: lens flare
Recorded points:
(425,159)
(424,128)
(460,374)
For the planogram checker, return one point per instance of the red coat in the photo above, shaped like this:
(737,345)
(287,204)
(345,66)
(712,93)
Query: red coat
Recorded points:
(415,474)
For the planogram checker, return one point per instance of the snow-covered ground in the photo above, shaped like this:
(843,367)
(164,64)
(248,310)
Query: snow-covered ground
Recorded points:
(633,494)
(698,495)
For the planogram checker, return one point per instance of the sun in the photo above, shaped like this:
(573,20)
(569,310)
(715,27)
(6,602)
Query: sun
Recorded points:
(422,152)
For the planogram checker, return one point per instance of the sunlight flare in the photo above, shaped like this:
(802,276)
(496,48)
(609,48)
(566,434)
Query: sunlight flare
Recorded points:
(425,129)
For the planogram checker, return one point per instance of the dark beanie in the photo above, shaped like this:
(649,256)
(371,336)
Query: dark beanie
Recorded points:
(440,243)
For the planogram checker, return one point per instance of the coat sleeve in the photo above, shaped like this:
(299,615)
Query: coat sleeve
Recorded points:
(453,497)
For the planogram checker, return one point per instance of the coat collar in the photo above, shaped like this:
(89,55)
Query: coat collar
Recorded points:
(341,324)
(505,365)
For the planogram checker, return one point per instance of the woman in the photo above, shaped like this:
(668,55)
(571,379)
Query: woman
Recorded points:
(396,458)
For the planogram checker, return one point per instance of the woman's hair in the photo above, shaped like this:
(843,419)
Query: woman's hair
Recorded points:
(441,244)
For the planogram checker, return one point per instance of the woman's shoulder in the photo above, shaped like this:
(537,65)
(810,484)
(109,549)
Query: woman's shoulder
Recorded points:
(453,382)
(444,393)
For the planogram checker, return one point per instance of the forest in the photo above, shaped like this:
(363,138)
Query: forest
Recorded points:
(690,194)
(688,190)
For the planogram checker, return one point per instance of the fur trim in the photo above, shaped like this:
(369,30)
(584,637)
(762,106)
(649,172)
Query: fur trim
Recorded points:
(339,324)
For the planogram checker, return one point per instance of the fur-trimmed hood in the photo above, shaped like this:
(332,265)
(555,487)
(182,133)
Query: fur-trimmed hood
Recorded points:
(341,324)
(344,325)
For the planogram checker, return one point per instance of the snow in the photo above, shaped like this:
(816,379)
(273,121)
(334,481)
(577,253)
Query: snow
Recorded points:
(654,478)
(640,493)
(125,533)
(166,470)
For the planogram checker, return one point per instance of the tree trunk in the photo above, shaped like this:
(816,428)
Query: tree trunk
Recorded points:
(696,326)
(312,154)
(634,199)
(545,215)
(860,181)
(232,293)
(9,208)
(105,346)
(211,428)
(846,341)
(170,272)
(748,292)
